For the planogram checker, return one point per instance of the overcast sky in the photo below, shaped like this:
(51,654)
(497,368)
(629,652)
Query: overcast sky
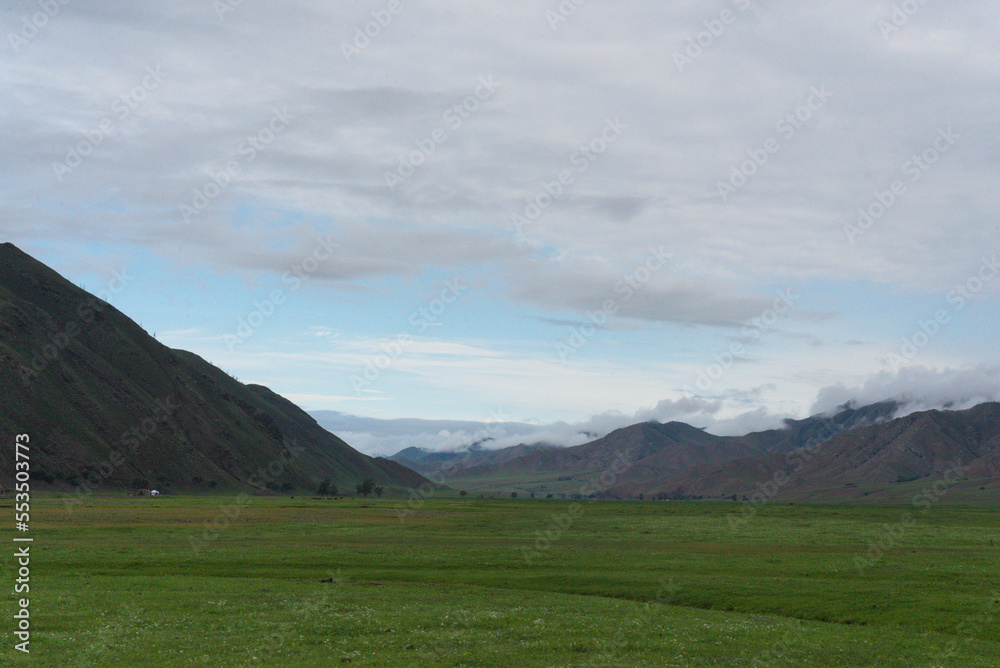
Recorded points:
(721,212)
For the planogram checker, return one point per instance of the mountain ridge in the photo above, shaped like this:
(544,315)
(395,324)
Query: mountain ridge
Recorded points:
(106,404)
(853,453)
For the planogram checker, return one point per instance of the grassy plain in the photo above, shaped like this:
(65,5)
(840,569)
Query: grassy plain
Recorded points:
(140,582)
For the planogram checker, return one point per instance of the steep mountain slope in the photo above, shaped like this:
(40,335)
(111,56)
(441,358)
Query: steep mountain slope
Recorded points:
(103,401)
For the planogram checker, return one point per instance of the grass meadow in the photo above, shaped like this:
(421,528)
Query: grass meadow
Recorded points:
(207,581)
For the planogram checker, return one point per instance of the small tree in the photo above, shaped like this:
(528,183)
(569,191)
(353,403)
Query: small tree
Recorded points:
(365,488)
(513,495)
(378,492)
(463,493)
(324,487)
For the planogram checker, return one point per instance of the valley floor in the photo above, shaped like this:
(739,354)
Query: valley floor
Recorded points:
(202,581)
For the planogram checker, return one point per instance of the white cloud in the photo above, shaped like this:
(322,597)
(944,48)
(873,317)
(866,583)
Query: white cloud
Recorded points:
(654,185)
(918,388)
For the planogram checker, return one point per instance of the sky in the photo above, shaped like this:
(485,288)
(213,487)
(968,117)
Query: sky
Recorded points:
(579,213)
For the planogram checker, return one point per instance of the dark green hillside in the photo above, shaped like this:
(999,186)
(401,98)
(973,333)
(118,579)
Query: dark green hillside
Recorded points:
(102,399)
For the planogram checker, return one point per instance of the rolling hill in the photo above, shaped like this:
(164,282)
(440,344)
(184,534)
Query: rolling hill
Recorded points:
(105,402)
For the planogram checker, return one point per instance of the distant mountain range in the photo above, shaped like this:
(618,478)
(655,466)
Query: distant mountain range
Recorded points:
(854,454)
(667,447)
(389,435)
(107,406)
(475,459)
(889,461)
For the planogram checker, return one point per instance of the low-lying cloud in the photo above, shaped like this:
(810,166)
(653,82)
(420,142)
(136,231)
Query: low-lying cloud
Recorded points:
(914,388)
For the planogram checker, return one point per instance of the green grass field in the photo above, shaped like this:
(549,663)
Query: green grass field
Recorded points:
(141,582)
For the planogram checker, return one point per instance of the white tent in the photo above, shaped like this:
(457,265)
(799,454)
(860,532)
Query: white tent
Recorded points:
(154,493)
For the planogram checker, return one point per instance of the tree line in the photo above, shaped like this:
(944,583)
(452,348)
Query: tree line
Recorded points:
(327,488)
